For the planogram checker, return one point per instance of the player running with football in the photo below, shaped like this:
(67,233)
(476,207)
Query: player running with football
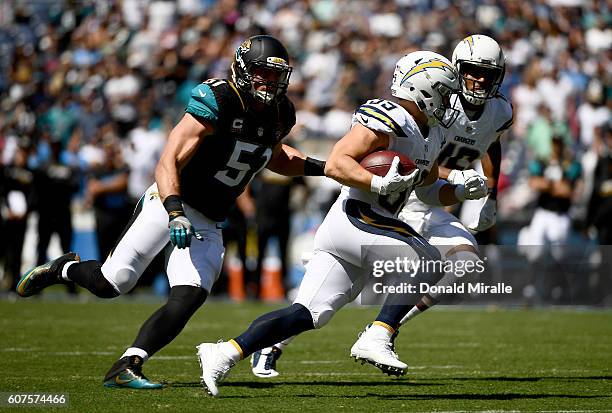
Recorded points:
(232,129)
(484,114)
(365,212)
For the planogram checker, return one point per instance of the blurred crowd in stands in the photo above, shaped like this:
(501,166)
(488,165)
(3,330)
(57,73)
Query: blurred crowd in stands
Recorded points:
(90,88)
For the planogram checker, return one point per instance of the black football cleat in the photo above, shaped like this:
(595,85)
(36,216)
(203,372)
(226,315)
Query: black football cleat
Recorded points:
(127,373)
(39,278)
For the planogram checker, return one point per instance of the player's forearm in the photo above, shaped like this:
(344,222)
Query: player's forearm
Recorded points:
(491,166)
(347,171)
(443,172)
(289,161)
(439,193)
(167,178)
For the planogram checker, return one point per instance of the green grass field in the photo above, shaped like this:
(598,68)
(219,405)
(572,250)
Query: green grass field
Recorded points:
(460,360)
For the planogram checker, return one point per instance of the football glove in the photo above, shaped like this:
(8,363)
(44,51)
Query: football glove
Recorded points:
(475,187)
(393,182)
(457,177)
(487,216)
(181,231)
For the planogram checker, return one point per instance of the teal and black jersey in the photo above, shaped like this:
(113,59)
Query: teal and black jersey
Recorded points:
(240,146)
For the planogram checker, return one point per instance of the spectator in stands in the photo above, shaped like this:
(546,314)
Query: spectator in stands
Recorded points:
(55,184)
(19,181)
(600,206)
(107,193)
(554,181)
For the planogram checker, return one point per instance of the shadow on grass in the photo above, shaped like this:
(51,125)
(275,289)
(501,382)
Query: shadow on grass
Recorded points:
(522,379)
(270,385)
(408,384)
(405,381)
(469,396)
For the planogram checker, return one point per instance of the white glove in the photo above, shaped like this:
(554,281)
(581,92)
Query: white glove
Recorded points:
(393,182)
(457,177)
(475,187)
(487,216)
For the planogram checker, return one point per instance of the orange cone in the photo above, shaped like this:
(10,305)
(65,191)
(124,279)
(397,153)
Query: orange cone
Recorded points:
(235,273)
(271,280)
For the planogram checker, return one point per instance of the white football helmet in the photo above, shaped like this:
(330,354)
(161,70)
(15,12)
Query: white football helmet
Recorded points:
(427,79)
(480,57)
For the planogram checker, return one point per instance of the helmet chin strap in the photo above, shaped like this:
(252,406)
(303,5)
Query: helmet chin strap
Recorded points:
(472,107)
(476,101)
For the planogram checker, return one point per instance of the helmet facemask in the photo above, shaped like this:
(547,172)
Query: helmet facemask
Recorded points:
(477,91)
(445,115)
(249,77)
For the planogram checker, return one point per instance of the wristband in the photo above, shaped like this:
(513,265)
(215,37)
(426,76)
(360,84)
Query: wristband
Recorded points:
(174,206)
(314,167)
(376,183)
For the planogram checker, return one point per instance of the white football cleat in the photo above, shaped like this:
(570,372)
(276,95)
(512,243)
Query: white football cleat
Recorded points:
(215,366)
(375,346)
(263,362)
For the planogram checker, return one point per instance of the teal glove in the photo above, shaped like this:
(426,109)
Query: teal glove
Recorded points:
(181,231)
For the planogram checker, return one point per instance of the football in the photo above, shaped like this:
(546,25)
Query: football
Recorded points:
(379,163)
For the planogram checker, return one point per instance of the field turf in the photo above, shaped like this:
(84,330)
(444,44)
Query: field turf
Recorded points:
(460,360)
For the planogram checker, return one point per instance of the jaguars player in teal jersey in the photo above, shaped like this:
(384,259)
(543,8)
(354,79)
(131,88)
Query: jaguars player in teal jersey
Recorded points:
(232,129)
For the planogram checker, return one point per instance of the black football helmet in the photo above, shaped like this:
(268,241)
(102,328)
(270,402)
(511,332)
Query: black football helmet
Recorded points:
(264,52)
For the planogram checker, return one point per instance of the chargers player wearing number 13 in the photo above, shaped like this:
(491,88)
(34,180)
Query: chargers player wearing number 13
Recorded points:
(232,129)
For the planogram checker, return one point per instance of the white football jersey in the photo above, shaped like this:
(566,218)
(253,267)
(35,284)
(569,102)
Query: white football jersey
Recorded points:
(404,137)
(468,140)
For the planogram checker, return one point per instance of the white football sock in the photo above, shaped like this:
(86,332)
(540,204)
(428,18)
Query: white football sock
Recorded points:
(230,351)
(135,351)
(379,331)
(414,311)
(65,270)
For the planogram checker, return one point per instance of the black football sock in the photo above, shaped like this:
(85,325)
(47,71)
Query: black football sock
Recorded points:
(274,327)
(167,322)
(88,274)
(392,314)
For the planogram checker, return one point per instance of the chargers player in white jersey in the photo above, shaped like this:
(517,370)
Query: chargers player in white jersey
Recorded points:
(483,116)
(364,215)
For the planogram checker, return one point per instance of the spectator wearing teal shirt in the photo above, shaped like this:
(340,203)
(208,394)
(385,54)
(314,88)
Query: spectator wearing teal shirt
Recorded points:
(541,132)
(554,180)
